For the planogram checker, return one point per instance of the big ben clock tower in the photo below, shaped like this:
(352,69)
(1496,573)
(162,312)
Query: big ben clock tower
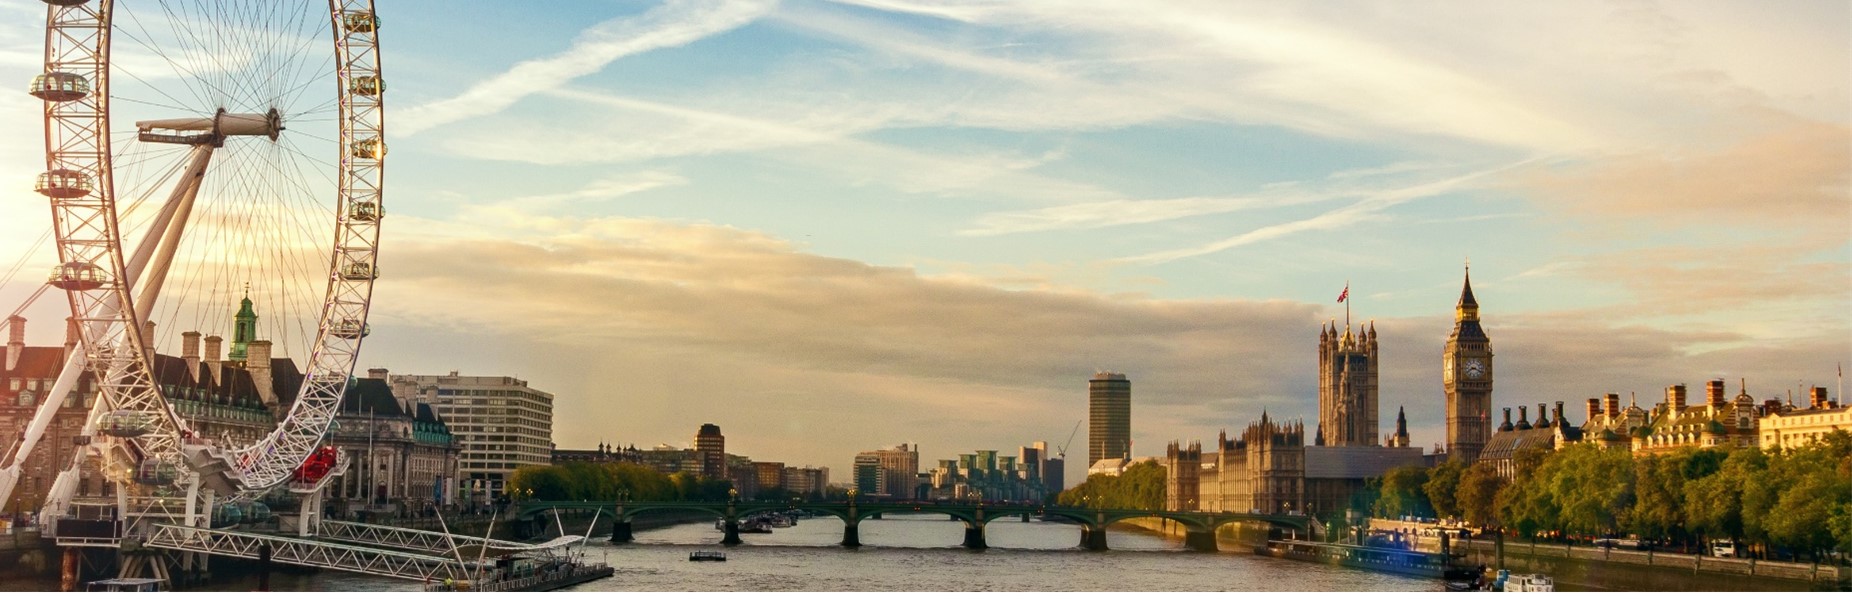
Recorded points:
(1466,374)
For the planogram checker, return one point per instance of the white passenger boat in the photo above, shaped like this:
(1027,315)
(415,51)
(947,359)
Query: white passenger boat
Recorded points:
(1529,583)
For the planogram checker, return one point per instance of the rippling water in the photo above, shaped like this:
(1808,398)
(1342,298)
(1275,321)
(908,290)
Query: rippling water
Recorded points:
(920,553)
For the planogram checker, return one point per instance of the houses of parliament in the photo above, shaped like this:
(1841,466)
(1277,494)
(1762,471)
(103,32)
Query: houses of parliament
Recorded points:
(1271,466)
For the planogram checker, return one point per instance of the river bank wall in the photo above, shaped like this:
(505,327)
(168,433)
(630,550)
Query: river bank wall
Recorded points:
(1586,568)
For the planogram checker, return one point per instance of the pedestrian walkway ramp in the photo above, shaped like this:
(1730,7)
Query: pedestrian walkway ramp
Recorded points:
(434,543)
(331,555)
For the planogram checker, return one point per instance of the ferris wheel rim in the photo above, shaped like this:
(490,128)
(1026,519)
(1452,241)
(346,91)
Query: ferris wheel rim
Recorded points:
(88,230)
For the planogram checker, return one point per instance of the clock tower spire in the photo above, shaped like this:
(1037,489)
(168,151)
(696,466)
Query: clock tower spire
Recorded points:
(1466,377)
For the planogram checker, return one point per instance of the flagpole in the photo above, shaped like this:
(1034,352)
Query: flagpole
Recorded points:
(1346,305)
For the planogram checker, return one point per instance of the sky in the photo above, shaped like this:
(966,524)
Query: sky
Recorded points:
(836,226)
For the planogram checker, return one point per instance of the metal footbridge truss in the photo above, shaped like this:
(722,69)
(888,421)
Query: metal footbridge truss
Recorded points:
(430,542)
(305,552)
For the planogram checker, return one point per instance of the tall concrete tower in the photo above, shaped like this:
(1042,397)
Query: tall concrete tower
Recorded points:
(1347,386)
(1466,375)
(1109,417)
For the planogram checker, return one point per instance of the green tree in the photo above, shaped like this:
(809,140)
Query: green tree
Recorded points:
(1714,503)
(1140,487)
(1591,486)
(1840,524)
(1402,493)
(1476,497)
(1442,488)
(547,483)
(1528,504)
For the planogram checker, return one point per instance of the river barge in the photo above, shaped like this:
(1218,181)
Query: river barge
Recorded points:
(526,575)
(1379,559)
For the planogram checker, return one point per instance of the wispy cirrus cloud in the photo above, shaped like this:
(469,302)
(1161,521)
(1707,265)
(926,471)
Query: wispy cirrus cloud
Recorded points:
(1370,207)
(1368,182)
(635,129)
(672,24)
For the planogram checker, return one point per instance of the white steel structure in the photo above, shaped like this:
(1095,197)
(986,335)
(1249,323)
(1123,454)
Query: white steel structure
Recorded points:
(229,197)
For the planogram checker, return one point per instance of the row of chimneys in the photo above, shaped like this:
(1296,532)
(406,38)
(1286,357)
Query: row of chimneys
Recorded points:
(16,339)
(1524,422)
(257,360)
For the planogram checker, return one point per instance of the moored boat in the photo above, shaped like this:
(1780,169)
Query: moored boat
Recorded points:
(125,585)
(1529,583)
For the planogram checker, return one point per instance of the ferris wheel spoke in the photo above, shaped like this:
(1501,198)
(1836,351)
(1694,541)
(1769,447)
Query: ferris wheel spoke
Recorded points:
(183,73)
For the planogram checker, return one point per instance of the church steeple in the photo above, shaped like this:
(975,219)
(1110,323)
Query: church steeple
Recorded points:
(244,330)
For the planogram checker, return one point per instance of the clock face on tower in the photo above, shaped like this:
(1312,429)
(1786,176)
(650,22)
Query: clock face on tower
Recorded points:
(1475,369)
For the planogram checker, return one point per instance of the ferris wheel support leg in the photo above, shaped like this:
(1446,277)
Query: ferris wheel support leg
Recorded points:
(64,487)
(206,505)
(179,209)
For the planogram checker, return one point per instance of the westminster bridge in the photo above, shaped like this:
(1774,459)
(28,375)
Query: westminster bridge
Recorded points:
(1199,527)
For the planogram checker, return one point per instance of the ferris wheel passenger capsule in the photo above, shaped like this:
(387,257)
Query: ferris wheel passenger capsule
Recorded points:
(78,276)
(367,85)
(358,271)
(66,2)
(126,424)
(227,515)
(58,86)
(63,183)
(370,148)
(360,21)
(154,472)
(351,329)
(363,211)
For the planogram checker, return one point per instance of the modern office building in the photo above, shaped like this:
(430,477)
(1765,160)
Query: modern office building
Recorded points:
(807,481)
(1109,417)
(500,424)
(770,475)
(896,471)
(986,475)
(712,448)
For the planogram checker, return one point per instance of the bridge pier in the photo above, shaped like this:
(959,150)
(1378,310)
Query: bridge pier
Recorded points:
(1200,540)
(851,538)
(263,568)
(620,532)
(974,536)
(1094,539)
(71,570)
(733,533)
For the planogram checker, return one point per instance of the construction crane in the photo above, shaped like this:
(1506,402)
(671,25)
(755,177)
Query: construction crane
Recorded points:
(1062,451)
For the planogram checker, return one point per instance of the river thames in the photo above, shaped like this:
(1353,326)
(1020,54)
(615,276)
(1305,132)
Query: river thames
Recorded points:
(916,553)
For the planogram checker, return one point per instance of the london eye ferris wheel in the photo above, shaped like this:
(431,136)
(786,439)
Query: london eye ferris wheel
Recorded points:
(199,154)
